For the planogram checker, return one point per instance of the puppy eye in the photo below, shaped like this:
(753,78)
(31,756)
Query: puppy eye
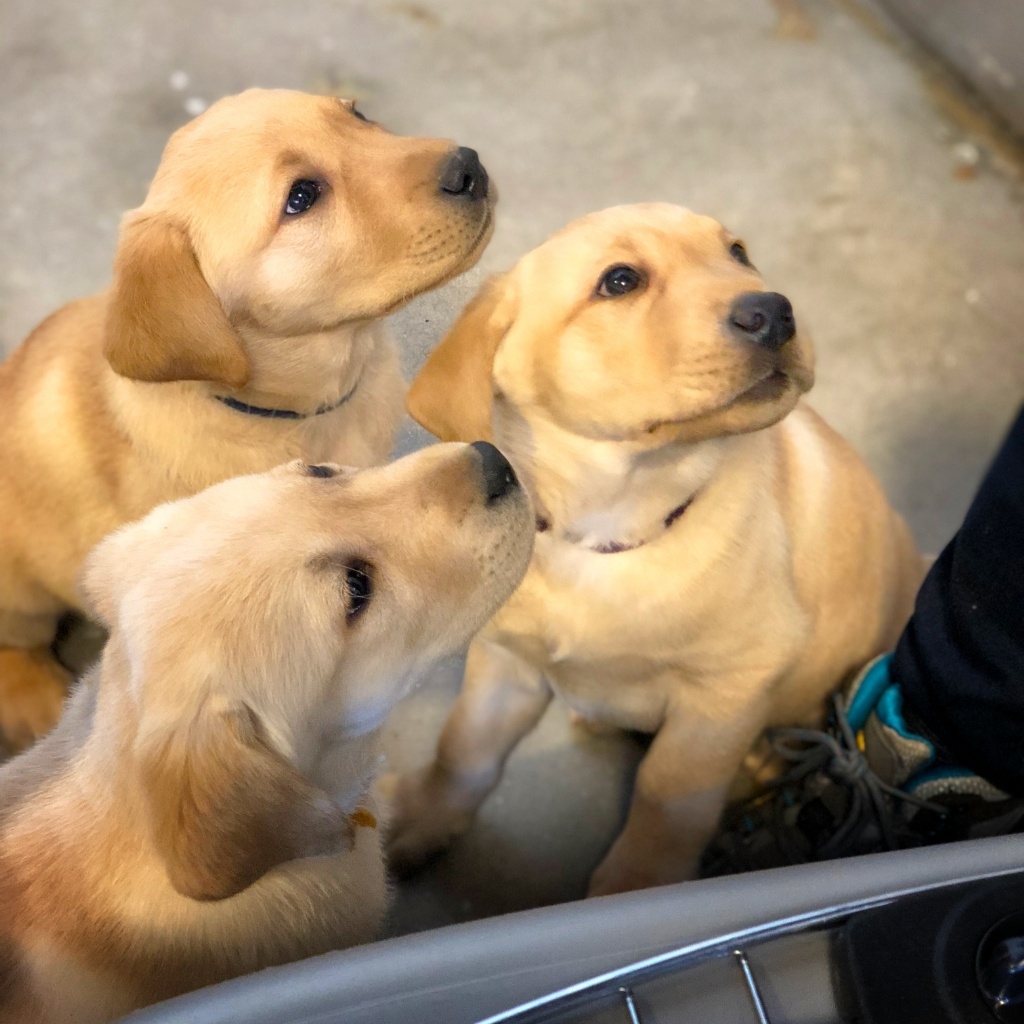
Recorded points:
(360,115)
(324,472)
(358,587)
(619,280)
(739,253)
(302,196)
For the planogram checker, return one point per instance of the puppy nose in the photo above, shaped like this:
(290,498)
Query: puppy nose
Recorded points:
(499,477)
(765,318)
(462,174)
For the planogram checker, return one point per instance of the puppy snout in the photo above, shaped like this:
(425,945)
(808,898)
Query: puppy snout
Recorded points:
(499,478)
(463,175)
(763,318)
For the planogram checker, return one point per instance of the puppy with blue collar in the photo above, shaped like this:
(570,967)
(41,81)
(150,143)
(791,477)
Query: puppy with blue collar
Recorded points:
(243,327)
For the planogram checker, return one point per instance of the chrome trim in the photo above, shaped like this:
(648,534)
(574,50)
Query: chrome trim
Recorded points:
(755,992)
(721,945)
(634,1013)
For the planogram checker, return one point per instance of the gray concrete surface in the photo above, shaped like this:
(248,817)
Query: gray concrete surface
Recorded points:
(897,236)
(980,39)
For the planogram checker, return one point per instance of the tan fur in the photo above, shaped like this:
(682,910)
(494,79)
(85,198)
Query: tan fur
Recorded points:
(203,809)
(109,407)
(787,572)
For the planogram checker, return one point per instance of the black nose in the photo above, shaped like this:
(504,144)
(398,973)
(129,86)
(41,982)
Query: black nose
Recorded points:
(765,318)
(499,477)
(462,174)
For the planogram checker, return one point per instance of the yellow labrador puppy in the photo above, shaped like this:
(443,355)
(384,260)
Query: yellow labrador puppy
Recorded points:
(202,810)
(711,558)
(242,329)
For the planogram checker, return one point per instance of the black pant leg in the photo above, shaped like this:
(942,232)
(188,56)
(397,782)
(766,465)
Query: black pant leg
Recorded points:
(960,661)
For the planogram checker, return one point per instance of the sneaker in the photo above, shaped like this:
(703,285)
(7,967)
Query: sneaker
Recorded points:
(866,784)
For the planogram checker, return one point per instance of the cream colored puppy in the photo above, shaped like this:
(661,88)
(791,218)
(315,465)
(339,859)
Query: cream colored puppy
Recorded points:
(242,329)
(711,558)
(202,810)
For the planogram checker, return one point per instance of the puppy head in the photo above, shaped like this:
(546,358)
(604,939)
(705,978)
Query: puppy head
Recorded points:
(270,612)
(645,324)
(288,214)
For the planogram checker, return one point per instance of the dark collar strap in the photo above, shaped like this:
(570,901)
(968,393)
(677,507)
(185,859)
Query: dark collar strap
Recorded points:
(614,547)
(282,414)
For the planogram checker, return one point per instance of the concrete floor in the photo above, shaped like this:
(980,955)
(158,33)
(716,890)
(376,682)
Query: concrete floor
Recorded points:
(896,233)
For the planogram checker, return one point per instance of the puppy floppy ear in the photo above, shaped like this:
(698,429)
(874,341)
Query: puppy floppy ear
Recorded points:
(226,807)
(117,563)
(452,394)
(163,322)
(107,575)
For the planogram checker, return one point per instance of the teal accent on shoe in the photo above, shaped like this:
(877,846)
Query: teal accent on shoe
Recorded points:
(870,689)
(890,711)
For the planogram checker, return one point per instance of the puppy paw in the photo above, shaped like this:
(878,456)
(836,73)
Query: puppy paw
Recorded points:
(422,823)
(33,687)
(621,872)
(606,881)
(591,725)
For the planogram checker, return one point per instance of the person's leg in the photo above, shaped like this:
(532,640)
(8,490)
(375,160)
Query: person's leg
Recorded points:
(960,661)
(926,745)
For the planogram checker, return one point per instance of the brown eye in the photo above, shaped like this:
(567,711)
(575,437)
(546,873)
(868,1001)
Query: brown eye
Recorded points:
(619,280)
(358,587)
(739,253)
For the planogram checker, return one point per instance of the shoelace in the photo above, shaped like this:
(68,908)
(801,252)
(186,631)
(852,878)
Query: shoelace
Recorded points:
(811,750)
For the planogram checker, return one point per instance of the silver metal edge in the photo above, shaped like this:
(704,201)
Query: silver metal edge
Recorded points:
(724,944)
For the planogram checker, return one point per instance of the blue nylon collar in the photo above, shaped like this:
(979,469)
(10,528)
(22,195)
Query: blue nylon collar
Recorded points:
(282,414)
